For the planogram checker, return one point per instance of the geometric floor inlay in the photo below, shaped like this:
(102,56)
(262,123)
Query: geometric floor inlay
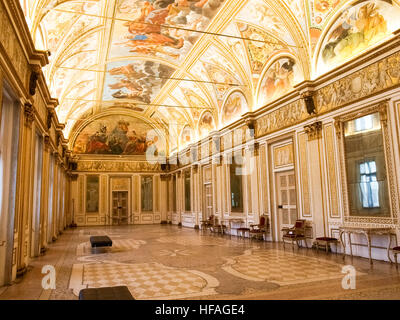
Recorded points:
(144,280)
(281,267)
(118,245)
(200,240)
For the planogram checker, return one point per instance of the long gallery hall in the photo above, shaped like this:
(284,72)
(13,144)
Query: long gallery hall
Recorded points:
(199,149)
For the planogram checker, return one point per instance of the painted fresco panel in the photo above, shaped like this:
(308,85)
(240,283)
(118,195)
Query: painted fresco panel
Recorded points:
(358,27)
(234,107)
(140,33)
(279,79)
(118,135)
(135,80)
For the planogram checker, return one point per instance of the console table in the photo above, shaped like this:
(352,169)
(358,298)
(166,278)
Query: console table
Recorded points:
(233,221)
(367,232)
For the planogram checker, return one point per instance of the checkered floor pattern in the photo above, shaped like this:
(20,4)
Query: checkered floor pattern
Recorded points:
(146,280)
(281,267)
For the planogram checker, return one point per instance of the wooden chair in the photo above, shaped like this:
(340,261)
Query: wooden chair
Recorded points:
(395,251)
(296,233)
(207,224)
(218,227)
(258,230)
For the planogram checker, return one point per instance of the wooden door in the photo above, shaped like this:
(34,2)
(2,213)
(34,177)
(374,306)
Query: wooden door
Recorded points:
(286,198)
(119,207)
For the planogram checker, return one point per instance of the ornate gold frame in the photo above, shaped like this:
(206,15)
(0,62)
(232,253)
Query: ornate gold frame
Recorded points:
(382,108)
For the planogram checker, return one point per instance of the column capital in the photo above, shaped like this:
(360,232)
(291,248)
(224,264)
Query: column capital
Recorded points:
(29,113)
(314,130)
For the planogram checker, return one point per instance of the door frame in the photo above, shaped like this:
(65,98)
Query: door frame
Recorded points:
(273,170)
(130,197)
(277,214)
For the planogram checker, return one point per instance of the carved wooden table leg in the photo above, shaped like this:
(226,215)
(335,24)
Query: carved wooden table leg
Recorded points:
(389,246)
(367,235)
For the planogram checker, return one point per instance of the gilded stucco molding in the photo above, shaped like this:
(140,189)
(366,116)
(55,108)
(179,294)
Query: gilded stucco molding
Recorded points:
(117,166)
(314,130)
(29,113)
(373,79)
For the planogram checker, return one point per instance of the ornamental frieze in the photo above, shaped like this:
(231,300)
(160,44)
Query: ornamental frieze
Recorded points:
(285,116)
(379,76)
(114,166)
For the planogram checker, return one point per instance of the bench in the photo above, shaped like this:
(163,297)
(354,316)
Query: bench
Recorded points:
(106,293)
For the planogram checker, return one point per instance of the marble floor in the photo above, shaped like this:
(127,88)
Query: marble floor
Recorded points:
(169,262)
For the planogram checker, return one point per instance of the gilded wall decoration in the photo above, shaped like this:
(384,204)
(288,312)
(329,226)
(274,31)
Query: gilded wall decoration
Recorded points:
(104,197)
(81,183)
(285,116)
(304,175)
(114,166)
(120,184)
(135,193)
(377,77)
(259,52)
(11,44)
(283,156)
(333,192)
(92,193)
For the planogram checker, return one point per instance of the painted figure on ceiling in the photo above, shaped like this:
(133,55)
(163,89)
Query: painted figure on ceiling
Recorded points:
(138,81)
(356,29)
(151,30)
(97,143)
(278,79)
(147,28)
(118,138)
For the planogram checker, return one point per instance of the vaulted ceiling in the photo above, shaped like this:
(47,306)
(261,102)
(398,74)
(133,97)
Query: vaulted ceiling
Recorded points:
(192,66)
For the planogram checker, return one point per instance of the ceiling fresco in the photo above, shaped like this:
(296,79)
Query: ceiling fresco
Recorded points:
(181,64)
(118,135)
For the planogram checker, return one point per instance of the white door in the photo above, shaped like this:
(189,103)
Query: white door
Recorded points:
(286,200)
